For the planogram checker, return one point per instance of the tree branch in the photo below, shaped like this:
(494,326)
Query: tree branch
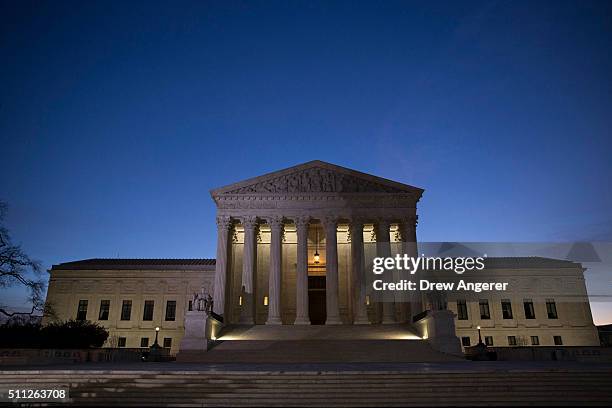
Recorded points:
(11,314)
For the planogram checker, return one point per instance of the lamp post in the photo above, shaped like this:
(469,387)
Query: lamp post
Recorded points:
(479,352)
(156,344)
(155,353)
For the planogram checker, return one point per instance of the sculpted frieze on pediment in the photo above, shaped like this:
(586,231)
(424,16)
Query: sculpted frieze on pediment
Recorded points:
(315,180)
(246,204)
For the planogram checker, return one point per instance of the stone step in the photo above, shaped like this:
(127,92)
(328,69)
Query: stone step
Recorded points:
(324,388)
(329,401)
(270,377)
(319,351)
(348,394)
(315,381)
(321,383)
(355,377)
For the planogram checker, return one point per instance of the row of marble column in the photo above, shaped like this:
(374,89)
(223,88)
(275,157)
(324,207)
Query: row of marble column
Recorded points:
(276,224)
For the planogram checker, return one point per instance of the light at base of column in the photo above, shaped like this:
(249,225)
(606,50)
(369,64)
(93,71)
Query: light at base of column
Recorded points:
(301,321)
(274,321)
(333,321)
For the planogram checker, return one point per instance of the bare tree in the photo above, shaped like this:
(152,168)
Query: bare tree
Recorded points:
(18,269)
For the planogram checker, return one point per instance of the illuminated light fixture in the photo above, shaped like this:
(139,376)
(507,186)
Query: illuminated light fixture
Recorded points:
(156,344)
(367,300)
(265,301)
(317,257)
(240,301)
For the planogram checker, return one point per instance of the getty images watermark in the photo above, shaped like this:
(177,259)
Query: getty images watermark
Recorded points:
(410,264)
(529,268)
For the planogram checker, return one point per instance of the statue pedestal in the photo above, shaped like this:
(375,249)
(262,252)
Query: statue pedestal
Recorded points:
(197,332)
(438,328)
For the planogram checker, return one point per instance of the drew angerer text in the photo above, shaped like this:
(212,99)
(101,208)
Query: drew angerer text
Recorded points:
(424,284)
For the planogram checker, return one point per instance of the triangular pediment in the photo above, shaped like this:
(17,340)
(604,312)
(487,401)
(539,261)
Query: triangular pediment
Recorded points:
(316,177)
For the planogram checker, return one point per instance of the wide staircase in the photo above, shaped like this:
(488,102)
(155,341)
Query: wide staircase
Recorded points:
(427,386)
(319,344)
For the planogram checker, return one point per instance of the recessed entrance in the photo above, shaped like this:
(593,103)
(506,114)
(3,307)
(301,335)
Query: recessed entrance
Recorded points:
(316,299)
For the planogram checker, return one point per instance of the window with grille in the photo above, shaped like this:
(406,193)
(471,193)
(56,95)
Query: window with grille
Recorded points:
(126,310)
(147,314)
(462,312)
(104,310)
(82,310)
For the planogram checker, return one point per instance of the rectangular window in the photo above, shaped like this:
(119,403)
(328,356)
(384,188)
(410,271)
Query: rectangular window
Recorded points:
(121,342)
(529,310)
(485,314)
(462,312)
(511,340)
(144,342)
(558,340)
(551,309)
(126,310)
(167,342)
(170,310)
(104,309)
(82,310)
(535,341)
(506,308)
(190,307)
(465,341)
(147,314)
(489,340)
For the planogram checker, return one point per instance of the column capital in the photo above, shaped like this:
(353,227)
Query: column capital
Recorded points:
(302,221)
(224,221)
(383,223)
(275,222)
(357,222)
(330,221)
(407,227)
(249,222)
(411,220)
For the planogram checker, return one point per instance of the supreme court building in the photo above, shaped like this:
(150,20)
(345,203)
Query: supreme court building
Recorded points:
(293,248)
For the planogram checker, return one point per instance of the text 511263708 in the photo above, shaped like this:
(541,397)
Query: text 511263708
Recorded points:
(24,395)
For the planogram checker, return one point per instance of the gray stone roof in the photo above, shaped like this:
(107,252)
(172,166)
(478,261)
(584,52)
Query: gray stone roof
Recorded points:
(528,262)
(136,263)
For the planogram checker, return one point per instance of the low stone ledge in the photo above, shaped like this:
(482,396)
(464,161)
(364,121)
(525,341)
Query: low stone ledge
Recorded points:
(26,356)
(584,354)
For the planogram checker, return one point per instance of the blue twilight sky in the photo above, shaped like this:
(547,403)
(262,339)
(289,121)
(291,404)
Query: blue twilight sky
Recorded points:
(116,118)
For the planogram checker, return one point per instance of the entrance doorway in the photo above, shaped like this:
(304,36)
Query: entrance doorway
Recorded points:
(316,299)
